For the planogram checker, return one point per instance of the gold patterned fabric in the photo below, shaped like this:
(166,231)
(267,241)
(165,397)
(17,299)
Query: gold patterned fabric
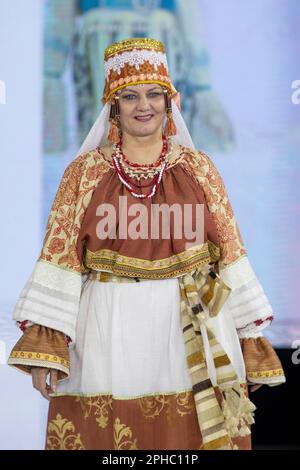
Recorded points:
(103,421)
(40,346)
(261,361)
(72,198)
(201,168)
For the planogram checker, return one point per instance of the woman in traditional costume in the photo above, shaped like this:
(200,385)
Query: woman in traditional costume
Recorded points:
(150,340)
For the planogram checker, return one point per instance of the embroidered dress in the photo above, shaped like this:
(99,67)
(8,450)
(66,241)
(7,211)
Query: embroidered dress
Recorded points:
(154,340)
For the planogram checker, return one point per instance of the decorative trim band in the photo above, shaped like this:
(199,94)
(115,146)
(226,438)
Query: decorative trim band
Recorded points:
(129,44)
(37,357)
(265,373)
(135,59)
(172,266)
(137,82)
(118,397)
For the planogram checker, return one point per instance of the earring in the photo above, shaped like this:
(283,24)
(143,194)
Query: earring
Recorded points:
(114,115)
(170,128)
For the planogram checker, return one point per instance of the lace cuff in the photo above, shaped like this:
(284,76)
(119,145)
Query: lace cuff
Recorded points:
(41,346)
(262,364)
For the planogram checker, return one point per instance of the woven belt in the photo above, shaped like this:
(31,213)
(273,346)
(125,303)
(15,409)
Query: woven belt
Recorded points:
(110,277)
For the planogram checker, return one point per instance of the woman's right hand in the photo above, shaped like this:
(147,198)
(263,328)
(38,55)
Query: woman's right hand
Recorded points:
(39,380)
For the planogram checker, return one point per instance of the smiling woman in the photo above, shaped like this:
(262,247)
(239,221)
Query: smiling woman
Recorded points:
(149,342)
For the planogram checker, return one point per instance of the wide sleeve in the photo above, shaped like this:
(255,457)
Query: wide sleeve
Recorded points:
(247,302)
(262,364)
(40,346)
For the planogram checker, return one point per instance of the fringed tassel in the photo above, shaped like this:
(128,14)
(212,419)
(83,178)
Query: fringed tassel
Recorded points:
(113,135)
(238,411)
(170,128)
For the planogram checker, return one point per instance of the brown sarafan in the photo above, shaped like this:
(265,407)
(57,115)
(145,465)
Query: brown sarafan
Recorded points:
(74,247)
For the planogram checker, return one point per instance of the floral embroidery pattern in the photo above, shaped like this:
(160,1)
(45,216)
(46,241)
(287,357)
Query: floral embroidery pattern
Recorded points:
(99,406)
(72,198)
(122,437)
(81,178)
(95,422)
(63,437)
(200,166)
(153,405)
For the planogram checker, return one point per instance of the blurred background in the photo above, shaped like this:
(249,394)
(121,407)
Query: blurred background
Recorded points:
(236,65)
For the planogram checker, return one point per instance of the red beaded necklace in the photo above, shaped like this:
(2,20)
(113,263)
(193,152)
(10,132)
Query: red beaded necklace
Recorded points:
(119,158)
(143,165)
(136,184)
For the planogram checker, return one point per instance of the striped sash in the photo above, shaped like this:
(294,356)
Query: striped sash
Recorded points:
(218,422)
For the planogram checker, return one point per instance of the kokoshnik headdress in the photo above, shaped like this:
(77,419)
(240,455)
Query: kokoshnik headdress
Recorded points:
(131,62)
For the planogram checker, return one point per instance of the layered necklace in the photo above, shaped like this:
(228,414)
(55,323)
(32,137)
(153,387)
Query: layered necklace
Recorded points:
(139,171)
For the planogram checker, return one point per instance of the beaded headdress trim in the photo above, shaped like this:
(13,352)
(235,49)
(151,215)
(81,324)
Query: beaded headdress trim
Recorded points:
(133,61)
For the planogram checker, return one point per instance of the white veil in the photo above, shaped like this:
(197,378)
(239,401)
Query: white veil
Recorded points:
(99,131)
